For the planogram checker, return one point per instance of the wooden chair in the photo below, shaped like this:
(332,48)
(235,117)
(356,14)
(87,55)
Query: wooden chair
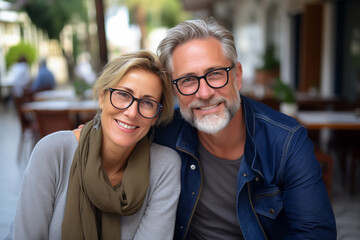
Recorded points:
(28,125)
(326,164)
(346,145)
(50,121)
(355,163)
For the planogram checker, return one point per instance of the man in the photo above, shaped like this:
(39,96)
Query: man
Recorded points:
(248,172)
(44,80)
(19,75)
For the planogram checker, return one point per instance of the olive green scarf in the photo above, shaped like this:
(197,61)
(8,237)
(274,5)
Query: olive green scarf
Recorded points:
(93,206)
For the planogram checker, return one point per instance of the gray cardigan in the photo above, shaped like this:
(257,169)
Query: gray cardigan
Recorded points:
(42,200)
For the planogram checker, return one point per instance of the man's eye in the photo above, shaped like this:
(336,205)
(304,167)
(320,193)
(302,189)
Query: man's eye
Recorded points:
(187,81)
(218,73)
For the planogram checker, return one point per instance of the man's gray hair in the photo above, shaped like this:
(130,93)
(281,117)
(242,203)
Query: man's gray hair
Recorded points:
(195,29)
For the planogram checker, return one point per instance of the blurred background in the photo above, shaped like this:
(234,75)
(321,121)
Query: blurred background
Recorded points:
(301,57)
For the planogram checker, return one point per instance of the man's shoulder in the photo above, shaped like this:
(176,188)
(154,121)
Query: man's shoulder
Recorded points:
(260,113)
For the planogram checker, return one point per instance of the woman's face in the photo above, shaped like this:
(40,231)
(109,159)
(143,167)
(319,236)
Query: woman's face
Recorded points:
(124,128)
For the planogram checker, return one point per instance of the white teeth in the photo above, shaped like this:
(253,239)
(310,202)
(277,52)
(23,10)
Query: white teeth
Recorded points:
(125,125)
(207,108)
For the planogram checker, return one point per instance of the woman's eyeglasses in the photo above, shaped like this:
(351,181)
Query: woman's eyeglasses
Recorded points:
(122,100)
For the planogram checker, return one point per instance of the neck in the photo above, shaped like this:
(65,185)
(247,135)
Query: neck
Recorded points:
(228,143)
(114,162)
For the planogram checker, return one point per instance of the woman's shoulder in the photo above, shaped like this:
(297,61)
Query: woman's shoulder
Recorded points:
(164,156)
(58,139)
(53,153)
(59,143)
(165,165)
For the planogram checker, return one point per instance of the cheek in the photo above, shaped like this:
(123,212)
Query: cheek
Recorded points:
(153,121)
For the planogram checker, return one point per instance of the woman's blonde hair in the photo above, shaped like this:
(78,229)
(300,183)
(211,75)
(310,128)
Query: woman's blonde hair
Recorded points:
(118,67)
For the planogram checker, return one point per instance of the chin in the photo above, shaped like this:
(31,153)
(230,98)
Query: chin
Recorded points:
(125,142)
(212,123)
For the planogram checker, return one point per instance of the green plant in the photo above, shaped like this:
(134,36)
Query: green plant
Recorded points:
(80,87)
(270,60)
(22,49)
(283,92)
(52,15)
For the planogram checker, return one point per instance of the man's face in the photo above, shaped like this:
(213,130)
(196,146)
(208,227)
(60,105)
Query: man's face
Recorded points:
(209,110)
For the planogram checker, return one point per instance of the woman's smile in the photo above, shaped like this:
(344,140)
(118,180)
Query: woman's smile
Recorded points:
(125,125)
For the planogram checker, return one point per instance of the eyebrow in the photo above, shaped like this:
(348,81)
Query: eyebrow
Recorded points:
(193,74)
(132,92)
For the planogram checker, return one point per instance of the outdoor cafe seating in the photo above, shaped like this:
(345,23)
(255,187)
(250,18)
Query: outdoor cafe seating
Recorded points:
(48,111)
(338,118)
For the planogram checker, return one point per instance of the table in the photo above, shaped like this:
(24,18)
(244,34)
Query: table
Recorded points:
(56,94)
(51,116)
(346,122)
(60,94)
(336,120)
(84,106)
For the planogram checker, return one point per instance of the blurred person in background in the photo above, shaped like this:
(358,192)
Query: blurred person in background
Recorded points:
(20,76)
(107,180)
(84,70)
(44,80)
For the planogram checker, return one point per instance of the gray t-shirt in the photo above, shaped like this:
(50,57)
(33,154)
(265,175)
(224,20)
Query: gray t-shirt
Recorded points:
(215,214)
(42,200)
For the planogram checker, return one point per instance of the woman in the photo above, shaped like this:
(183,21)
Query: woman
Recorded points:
(106,181)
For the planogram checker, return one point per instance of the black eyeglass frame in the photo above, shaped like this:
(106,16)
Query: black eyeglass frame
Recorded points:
(111,90)
(227,69)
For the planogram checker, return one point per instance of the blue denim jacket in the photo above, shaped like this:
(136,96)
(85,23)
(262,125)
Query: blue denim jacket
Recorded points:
(280,193)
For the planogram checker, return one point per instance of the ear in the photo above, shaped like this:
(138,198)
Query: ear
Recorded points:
(239,71)
(101,99)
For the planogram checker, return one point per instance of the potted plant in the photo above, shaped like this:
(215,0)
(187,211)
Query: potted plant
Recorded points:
(286,95)
(270,70)
(81,87)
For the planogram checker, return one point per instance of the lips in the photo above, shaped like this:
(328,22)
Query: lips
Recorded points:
(209,107)
(124,125)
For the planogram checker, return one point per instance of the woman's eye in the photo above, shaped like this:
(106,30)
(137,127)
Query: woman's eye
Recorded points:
(148,103)
(123,95)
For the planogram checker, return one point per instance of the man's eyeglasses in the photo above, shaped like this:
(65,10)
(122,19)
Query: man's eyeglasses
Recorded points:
(216,78)
(122,100)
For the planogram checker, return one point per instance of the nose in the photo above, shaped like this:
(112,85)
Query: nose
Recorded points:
(132,111)
(205,91)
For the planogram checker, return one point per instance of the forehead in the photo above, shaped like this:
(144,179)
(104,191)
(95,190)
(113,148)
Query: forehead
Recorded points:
(141,82)
(196,55)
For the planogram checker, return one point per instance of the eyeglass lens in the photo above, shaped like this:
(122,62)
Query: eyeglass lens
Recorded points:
(122,100)
(216,79)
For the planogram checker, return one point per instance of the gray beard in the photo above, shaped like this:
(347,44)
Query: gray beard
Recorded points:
(212,123)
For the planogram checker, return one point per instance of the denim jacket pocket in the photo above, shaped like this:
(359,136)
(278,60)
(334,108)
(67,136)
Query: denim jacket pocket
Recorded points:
(268,203)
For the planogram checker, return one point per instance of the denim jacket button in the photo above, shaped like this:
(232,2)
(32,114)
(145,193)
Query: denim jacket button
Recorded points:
(271,211)
(257,179)
(244,174)
(192,167)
